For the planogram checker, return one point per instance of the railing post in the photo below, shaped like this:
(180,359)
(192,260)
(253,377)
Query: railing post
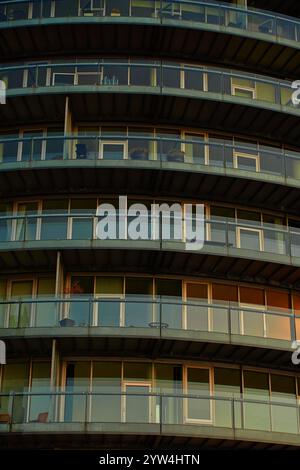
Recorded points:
(226,234)
(229,322)
(160,316)
(233,415)
(160,413)
(19,313)
(11,410)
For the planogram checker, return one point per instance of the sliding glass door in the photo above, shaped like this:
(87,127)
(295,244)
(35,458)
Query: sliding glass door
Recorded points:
(198,409)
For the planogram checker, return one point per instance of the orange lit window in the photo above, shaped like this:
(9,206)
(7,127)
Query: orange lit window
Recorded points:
(278,300)
(224,293)
(250,295)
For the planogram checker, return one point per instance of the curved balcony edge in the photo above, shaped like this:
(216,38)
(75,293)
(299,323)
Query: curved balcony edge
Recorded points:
(217,16)
(214,416)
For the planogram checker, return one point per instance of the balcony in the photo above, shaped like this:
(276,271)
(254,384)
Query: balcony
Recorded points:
(193,14)
(221,234)
(149,317)
(138,409)
(196,153)
(196,96)
(147,76)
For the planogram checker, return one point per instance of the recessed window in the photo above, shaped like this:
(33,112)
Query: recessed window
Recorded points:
(198,384)
(246,162)
(249,239)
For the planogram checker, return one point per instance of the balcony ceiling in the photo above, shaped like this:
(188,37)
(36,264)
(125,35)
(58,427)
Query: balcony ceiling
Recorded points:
(131,441)
(79,179)
(234,49)
(149,260)
(202,109)
(207,351)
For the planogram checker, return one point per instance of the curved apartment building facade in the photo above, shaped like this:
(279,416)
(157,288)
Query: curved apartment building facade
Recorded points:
(144,342)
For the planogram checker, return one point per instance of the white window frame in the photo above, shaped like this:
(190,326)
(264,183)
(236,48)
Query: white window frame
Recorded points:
(248,156)
(236,87)
(249,229)
(184,296)
(129,383)
(256,309)
(104,142)
(186,419)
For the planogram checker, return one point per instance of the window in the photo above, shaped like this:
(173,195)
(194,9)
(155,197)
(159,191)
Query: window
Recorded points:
(143,8)
(171,75)
(195,149)
(169,145)
(250,319)
(87,146)
(109,306)
(284,416)
(32,145)
(249,238)
(54,220)
(6,224)
(46,311)
(20,310)
(9,147)
(26,222)
(223,294)
(82,223)
(198,384)
(77,381)
(243,88)
(82,287)
(247,162)
(106,407)
(142,75)
(139,303)
(227,384)
(55,145)
(169,292)
(113,150)
(278,326)
(256,387)
(141,145)
(117,8)
(197,311)
(15,377)
(39,405)
(137,406)
(217,227)
(193,78)
(114,73)
(275,235)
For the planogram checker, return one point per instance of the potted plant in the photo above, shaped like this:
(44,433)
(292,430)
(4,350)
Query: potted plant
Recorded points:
(67,322)
(74,289)
(139,153)
(115,12)
(175,155)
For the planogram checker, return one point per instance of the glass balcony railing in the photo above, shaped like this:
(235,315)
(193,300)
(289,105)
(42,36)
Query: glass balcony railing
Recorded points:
(158,315)
(194,13)
(195,150)
(218,232)
(159,77)
(137,405)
